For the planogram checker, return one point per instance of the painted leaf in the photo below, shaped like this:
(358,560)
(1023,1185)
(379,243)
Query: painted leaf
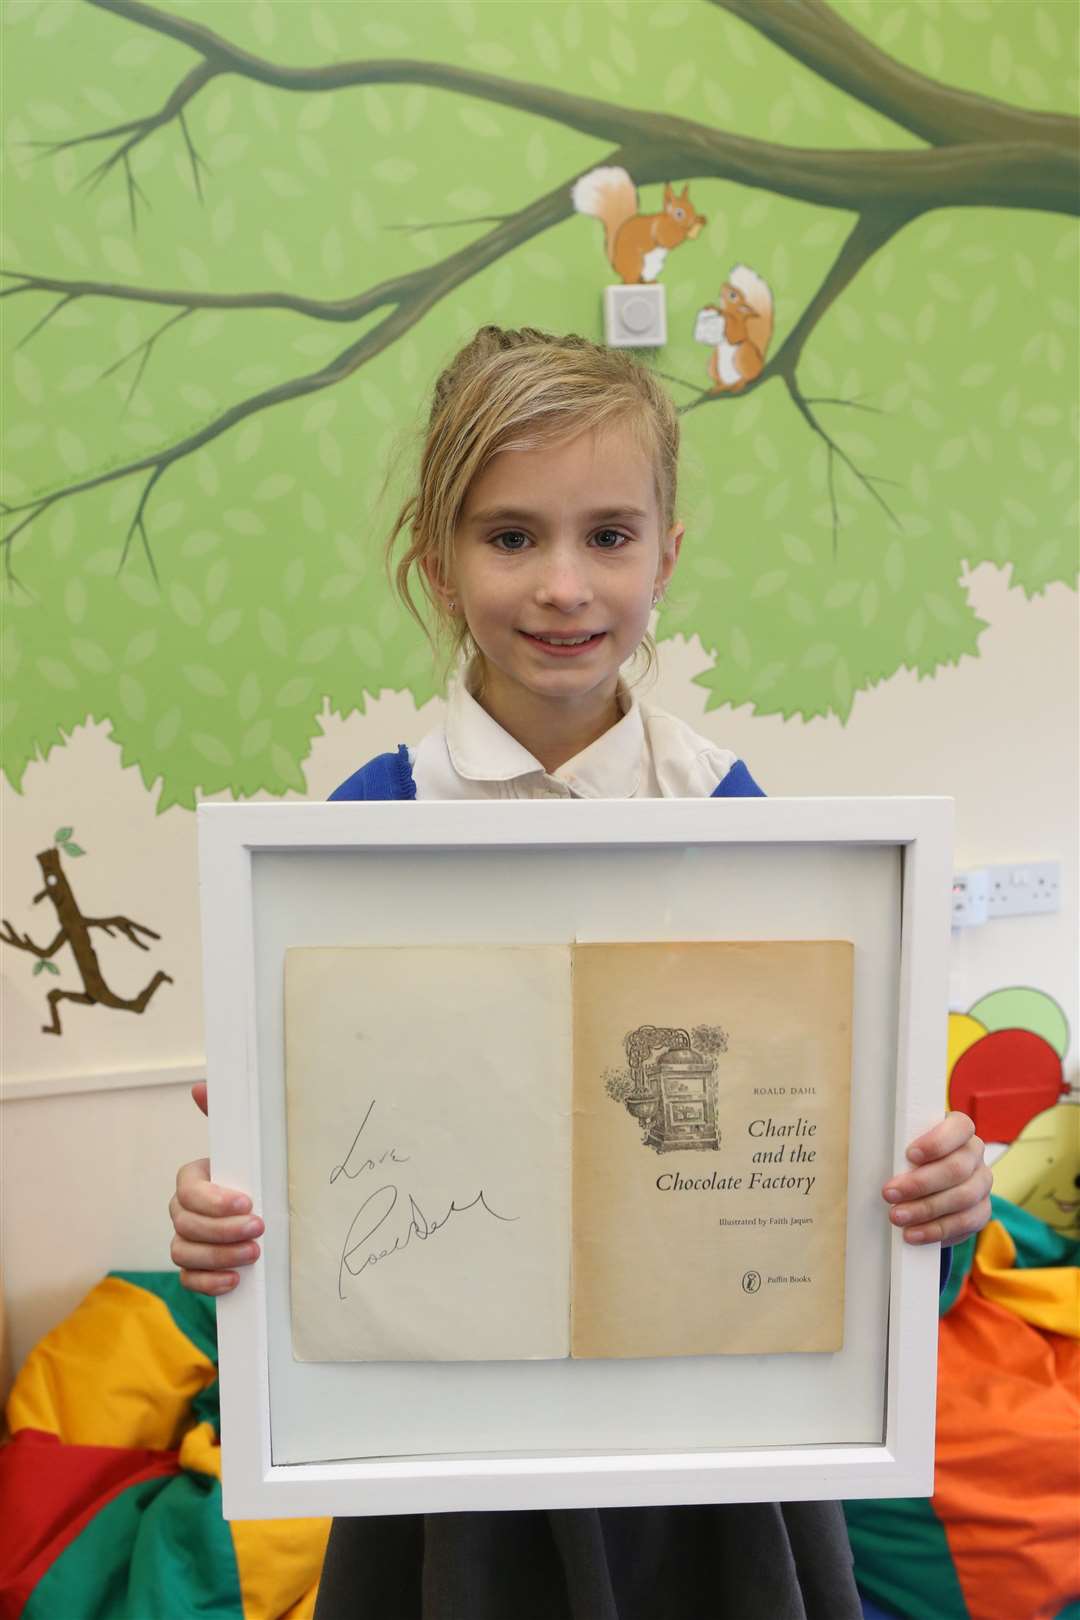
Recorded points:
(277,255)
(546,47)
(323,31)
(73,849)
(62,834)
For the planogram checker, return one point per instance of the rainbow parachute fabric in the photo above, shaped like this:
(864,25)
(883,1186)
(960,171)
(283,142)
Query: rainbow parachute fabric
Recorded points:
(110,1494)
(110,1501)
(1000,1537)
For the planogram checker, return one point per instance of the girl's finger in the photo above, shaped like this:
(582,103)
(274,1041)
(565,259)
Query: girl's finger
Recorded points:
(211,1256)
(951,1171)
(197,1193)
(945,1137)
(951,1228)
(952,1201)
(209,1282)
(213,1228)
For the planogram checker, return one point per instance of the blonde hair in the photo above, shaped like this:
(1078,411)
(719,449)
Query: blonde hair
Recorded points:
(516,390)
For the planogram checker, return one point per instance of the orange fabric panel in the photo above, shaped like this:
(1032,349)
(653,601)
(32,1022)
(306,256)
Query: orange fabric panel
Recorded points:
(1008,1460)
(155,1372)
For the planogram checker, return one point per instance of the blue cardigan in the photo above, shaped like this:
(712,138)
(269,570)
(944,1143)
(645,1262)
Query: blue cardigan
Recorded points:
(390,776)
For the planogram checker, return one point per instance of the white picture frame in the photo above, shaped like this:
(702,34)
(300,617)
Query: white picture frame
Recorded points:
(308,1439)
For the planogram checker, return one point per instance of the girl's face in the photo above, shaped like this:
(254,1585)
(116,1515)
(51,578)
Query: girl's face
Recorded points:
(558,556)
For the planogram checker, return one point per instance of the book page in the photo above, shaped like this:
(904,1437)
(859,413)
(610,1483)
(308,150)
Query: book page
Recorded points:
(711,1090)
(428,1099)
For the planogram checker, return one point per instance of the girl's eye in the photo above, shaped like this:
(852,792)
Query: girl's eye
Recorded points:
(610,539)
(510,540)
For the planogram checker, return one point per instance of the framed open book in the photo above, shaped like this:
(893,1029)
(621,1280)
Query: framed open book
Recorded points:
(568,1123)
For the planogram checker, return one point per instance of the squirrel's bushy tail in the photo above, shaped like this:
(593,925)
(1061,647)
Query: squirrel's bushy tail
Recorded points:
(608,194)
(759,326)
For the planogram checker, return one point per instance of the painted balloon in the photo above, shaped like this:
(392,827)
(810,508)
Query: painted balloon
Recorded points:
(1021,1007)
(964,1031)
(1005,1079)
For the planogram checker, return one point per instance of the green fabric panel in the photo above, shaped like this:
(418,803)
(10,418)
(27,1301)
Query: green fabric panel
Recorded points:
(194,1314)
(89,1580)
(206,1407)
(902,1559)
(1071,1612)
(183,1566)
(159,1549)
(1037,1244)
(962,1256)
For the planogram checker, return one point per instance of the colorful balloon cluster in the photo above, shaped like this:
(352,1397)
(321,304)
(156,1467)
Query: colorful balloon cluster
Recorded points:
(1005,1060)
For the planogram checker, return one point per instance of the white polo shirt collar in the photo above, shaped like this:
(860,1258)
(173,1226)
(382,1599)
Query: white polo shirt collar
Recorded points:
(481,751)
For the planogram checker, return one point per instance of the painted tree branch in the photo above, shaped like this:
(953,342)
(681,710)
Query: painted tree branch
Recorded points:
(821,41)
(412,295)
(1001,169)
(869,234)
(1008,160)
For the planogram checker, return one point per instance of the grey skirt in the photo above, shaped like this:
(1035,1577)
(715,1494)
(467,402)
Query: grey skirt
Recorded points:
(753,1561)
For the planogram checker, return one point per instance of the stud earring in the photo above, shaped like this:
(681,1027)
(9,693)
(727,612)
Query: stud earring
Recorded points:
(452,604)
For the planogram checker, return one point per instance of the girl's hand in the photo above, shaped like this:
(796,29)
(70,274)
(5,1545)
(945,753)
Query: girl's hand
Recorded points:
(213,1226)
(947,1197)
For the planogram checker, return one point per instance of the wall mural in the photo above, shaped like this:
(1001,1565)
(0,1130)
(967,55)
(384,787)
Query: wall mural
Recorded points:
(240,240)
(1004,1060)
(75,931)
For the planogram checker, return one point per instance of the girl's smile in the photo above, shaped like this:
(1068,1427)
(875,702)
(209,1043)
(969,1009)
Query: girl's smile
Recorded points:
(558,557)
(567,646)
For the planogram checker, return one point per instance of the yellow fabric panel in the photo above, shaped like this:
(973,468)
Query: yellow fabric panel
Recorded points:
(278,1561)
(1046,1296)
(305,1609)
(200,1451)
(154,1373)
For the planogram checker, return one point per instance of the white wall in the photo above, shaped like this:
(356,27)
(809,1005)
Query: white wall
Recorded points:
(87,1172)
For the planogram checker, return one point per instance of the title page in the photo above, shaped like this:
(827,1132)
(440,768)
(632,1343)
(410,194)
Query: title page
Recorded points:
(428,1093)
(711,1090)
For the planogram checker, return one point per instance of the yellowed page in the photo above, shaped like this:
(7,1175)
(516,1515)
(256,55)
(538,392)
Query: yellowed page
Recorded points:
(428,1095)
(711,1087)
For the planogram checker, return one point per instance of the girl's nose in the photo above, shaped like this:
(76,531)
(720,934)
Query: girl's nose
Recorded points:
(563,584)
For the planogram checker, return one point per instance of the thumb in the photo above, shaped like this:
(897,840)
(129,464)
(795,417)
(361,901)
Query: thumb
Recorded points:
(198,1091)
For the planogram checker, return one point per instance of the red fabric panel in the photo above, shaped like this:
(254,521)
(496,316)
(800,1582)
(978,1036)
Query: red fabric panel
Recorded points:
(48,1492)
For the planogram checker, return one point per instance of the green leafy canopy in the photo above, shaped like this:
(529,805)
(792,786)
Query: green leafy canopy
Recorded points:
(258,602)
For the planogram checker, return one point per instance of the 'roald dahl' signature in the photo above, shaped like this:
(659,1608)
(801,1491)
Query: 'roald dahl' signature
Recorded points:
(357,1252)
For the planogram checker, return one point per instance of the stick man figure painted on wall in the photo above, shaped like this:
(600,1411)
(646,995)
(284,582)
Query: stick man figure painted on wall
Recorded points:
(75,931)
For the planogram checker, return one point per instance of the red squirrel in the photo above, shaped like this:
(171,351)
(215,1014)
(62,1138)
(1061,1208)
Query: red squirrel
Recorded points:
(636,244)
(741,335)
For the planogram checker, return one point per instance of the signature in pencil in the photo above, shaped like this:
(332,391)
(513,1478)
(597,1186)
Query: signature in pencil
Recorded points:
(378,1207)
(373,1214)
(352,1168)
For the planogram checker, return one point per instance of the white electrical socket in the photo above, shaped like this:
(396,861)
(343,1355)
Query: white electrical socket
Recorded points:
(1030,888)
(969,895)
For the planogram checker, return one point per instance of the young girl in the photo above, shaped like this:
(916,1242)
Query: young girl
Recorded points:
(542,533)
